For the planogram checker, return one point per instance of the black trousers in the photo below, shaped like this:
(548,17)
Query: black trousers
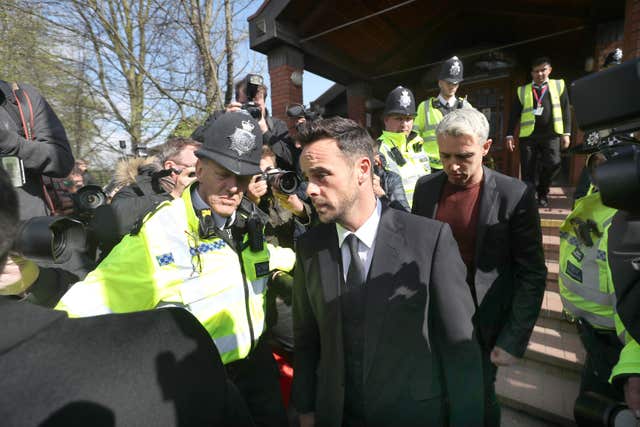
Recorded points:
(540,157)
(603,350)
(491,405)
(256,377)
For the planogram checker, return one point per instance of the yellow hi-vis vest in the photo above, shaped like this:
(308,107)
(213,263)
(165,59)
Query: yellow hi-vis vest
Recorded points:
(167,264)
(629,360)
(425,124)
(585,282)
(528,119)
(417,163)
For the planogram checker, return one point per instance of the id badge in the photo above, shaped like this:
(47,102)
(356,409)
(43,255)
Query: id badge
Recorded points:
(538,111)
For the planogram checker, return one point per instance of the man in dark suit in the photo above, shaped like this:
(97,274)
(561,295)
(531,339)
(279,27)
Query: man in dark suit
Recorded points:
(382,313)
(157,368)
(495,221)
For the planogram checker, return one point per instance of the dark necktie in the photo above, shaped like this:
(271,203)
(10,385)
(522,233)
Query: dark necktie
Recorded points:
(355,274)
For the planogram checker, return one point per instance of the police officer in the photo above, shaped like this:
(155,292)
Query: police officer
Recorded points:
(586,288)
(203,252)
(431,111)
(542,108)
(399,144)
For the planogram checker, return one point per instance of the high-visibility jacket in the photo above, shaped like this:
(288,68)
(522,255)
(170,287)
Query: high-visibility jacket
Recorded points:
(629,360)
(167,263)
(410,147)
(425,124)
(585,282)
(528,119)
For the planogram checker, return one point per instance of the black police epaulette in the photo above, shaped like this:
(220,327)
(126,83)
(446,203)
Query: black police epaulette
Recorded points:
(137,226)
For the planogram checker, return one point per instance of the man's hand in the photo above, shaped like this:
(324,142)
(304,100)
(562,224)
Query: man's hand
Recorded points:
(308,420)
(510,143)
(233,106)
(290,202)
(377,188)
(632,395)
(263,123)
(565,140)
(501,357)
(183,181)
(257,188)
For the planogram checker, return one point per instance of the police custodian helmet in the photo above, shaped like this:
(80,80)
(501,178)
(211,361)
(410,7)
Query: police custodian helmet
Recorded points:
(234,141)
(452,71)
(400,101)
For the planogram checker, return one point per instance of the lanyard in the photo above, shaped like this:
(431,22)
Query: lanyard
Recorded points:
(543,92)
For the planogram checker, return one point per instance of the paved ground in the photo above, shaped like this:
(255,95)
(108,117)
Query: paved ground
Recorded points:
(513,418)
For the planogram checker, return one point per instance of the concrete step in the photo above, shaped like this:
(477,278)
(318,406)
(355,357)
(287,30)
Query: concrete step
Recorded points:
(553,269)
(543,390)
(551,306)
(556,342)
(551,227)
(551,246)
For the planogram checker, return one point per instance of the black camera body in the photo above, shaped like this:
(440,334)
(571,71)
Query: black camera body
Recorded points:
(253,83)
(297,111)
(286,182)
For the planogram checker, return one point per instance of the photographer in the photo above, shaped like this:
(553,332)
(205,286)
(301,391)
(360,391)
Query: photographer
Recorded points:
(146,182)
(30,129)
(252,93)
(60,371)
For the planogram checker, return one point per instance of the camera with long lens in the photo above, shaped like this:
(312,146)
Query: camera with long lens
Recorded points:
(55,238)
(607,103)
(253,83)
(286,182)
(297,111)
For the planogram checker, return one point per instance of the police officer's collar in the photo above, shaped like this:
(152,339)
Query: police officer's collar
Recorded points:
(199,204)
(537,86)
(447,103)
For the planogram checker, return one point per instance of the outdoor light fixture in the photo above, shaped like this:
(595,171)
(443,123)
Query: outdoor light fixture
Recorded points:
(296,78)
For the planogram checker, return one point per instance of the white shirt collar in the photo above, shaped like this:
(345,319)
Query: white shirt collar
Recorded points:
(199,204)
(367,231)
(451,102)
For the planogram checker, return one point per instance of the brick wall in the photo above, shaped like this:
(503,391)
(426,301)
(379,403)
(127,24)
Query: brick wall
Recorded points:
(632,30)
(283,91)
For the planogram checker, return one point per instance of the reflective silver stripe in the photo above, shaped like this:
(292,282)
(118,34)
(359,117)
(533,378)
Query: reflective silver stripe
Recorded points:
(226,344)
(430,138)
(586,292)
(527,110)
(594,319)
(430,127)
(529,123)
(557,119)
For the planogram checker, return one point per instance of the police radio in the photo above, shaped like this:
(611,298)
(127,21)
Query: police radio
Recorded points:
(397,157)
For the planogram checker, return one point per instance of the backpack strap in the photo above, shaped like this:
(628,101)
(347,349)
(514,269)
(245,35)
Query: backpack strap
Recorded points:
(25,108)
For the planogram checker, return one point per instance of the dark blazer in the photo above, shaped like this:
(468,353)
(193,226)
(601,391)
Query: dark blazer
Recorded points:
(155,368)
(419,352)
(510,273)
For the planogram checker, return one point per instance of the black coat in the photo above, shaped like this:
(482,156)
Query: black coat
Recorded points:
(49,154)
(421,364)
(510,273)
(155,368)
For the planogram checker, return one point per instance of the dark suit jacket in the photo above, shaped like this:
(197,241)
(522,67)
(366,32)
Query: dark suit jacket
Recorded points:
(419,352)
(510,273)
(155,368)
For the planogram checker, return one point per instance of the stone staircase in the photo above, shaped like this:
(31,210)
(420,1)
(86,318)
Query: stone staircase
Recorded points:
(545,382)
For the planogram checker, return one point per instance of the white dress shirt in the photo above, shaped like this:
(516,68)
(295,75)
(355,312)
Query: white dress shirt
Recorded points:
(366,235)
(451,102)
